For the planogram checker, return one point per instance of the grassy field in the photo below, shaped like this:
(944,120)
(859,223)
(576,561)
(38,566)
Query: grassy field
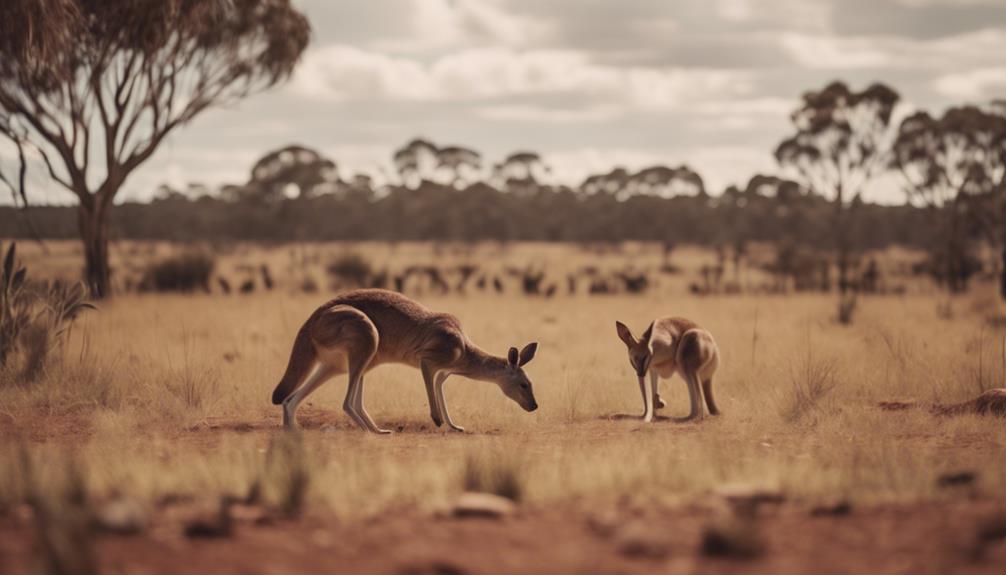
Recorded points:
(157,396)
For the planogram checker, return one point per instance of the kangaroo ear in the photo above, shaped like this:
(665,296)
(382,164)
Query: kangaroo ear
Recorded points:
(645,338)
(513,357)
(527,354)
(624,334)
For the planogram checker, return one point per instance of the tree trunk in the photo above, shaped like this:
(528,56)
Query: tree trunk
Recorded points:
(93,223)
(843,246)
(1002,275)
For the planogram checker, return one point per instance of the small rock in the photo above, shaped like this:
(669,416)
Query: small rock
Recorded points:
(990,533)
(958,479)
(472,504)
(122,516)
(437,567)
(328,428)
(993,529)
(250,514)
(838,509)
(733,540)
(747,499)
(604,523)
(641,541)
(211,526)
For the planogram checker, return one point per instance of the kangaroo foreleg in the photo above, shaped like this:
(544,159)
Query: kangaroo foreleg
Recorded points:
(439,388)
(647,400)
(658,403)
(429,378)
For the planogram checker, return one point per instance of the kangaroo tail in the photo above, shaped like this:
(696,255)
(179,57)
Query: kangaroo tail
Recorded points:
(301,361)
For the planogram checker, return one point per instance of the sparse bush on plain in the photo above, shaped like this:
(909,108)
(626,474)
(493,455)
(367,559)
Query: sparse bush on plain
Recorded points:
(499,474)
(810,383)
(349,270)
(847,304)
(285,476)
(185,272)
(34,320)
(58,496)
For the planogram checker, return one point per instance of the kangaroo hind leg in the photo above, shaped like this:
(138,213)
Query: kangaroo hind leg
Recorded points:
(320,373)
(707,391)
(694,396)
(344,331)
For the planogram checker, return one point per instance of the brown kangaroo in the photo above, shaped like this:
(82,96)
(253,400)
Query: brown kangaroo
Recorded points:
(673,345)
(362,329)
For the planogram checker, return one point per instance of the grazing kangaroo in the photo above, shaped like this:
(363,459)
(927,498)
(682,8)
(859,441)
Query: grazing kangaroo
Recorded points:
(362,329)
(674,345)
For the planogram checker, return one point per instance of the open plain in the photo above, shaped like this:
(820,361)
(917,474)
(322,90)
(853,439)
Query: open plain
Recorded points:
(157,408)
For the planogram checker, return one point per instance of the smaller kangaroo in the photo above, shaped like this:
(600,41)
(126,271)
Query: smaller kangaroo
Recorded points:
(362,329)
(674,345)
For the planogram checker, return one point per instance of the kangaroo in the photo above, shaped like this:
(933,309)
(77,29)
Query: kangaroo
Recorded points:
(673,345)
(362,329)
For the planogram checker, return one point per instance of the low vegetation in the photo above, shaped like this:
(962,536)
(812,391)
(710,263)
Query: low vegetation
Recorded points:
(166,399)
(184,272)
(34,320)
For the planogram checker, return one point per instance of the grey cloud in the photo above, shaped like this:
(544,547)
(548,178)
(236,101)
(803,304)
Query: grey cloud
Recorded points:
(919,20)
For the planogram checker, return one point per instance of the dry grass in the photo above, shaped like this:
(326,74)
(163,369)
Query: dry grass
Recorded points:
(169,396)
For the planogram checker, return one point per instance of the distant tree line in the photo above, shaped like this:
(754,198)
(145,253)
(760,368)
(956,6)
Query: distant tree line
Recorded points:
(295,194)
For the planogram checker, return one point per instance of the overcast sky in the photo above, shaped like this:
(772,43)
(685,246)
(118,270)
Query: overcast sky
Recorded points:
(590,84)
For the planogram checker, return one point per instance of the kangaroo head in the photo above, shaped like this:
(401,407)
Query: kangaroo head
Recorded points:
(514,381)
(640,352)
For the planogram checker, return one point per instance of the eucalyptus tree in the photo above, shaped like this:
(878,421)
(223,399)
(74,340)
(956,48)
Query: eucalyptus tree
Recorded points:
(89,89)
(841,142)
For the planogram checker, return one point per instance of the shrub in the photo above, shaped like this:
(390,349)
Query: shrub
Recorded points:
(810,384)
(285,476)
(34,320)
(185,272)
(497,474)
(349,270)
(847,305)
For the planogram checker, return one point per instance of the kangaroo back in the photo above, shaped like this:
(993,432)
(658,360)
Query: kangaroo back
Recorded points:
(301,361)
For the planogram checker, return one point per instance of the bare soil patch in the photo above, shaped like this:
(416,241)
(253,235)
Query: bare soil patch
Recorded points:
(925,538)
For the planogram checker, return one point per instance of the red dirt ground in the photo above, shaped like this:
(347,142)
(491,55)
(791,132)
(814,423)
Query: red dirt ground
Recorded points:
(918,539)
(937,537)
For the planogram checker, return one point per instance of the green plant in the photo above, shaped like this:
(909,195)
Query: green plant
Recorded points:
(34,319)
(15,309)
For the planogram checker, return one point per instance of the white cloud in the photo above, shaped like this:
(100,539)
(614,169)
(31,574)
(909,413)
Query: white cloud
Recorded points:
(348,73)
(803,14)
(982,47)
(444,24)
(980,84)
(735,10)
(833,52)
(951,3)
(342,73)
(541,114)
